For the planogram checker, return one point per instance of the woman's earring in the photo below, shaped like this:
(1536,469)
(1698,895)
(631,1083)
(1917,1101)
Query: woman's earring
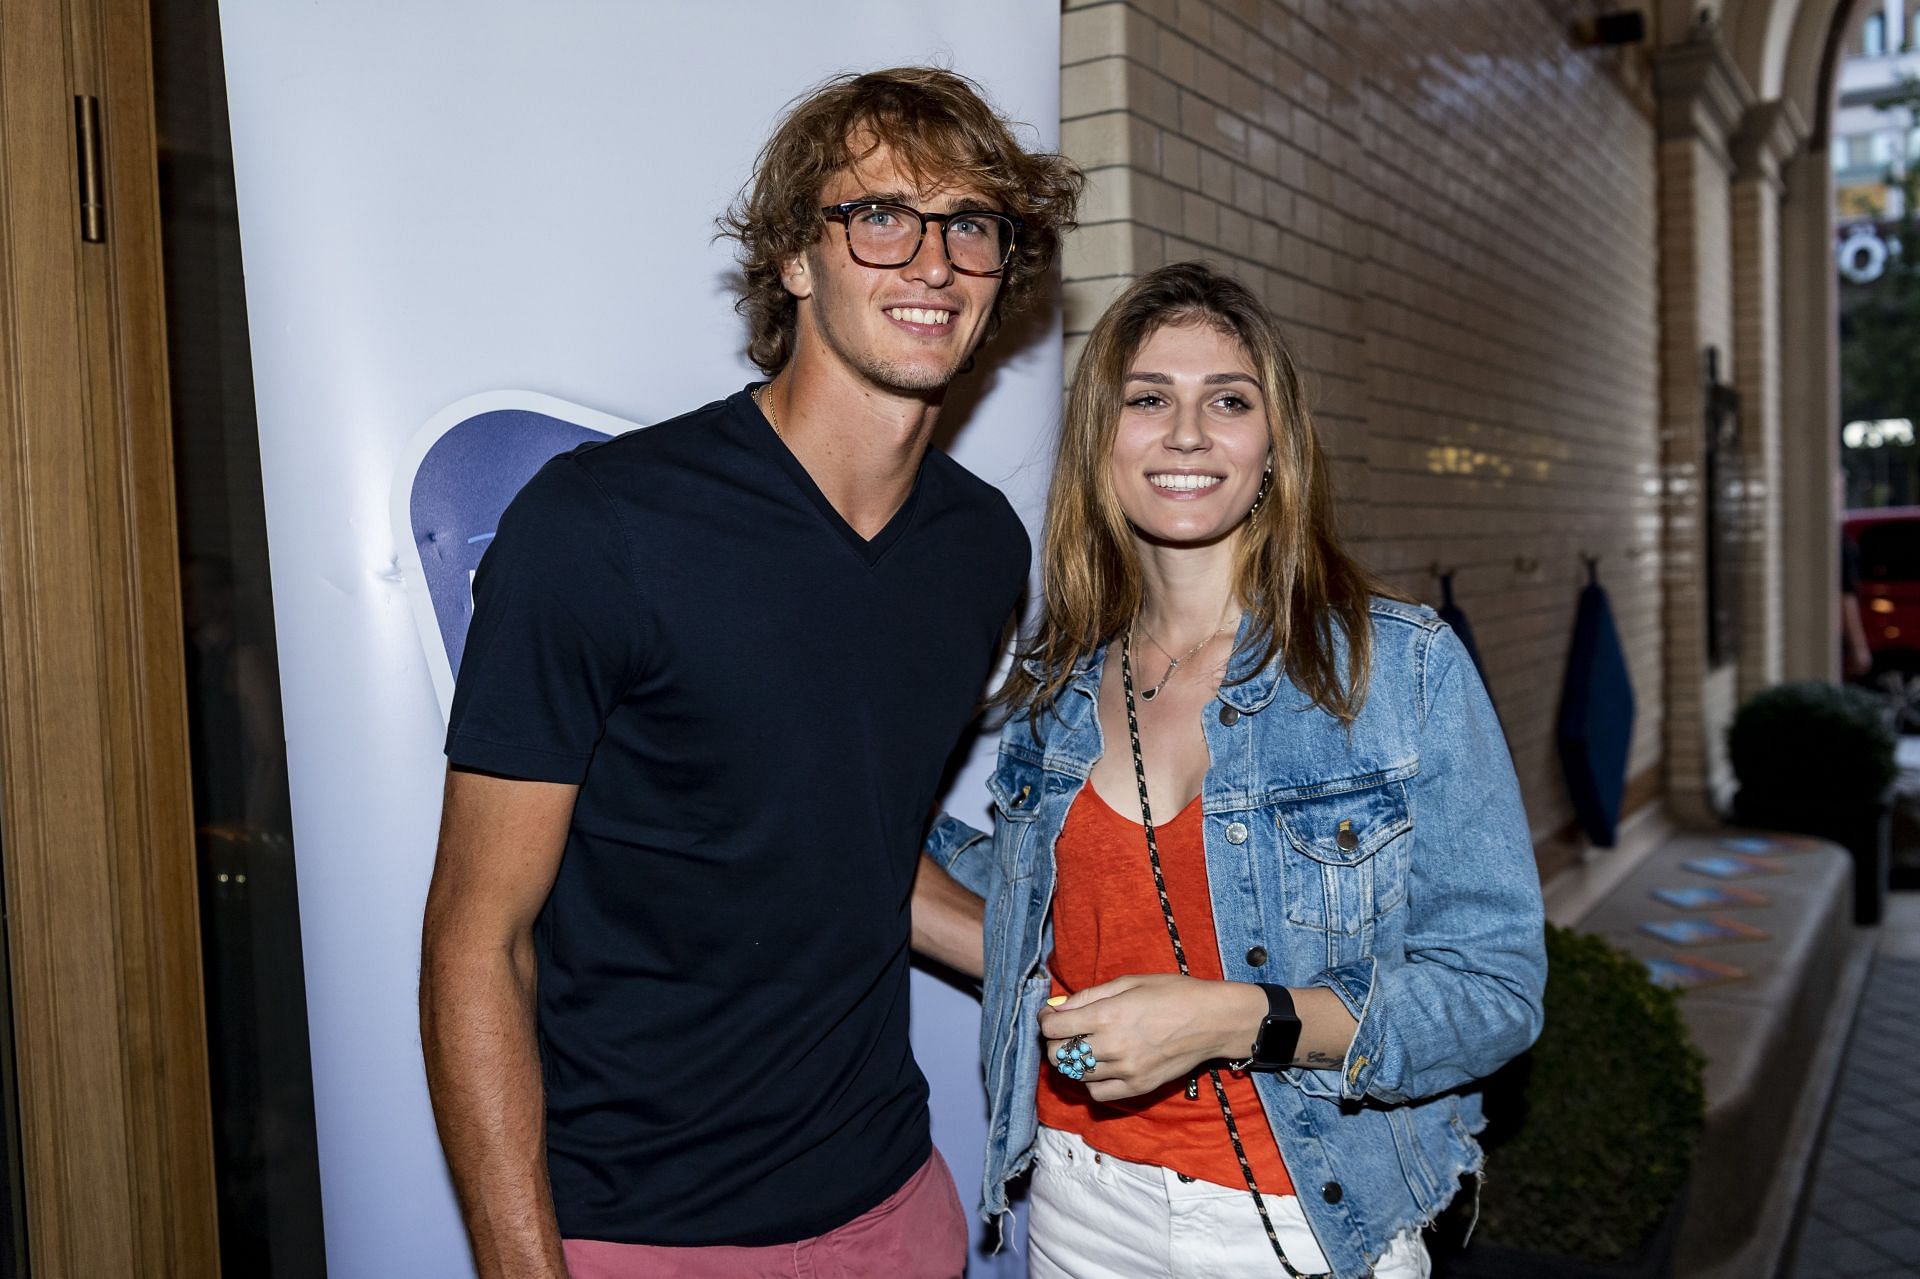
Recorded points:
(1266,478)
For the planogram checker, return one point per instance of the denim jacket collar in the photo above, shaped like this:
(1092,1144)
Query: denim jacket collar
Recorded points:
(1085,677)
(1249,686)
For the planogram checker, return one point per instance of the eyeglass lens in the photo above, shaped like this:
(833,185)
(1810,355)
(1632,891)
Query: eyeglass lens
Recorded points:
(888,235)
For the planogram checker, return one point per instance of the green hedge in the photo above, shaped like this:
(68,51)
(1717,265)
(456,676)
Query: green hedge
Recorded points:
(1592,1131)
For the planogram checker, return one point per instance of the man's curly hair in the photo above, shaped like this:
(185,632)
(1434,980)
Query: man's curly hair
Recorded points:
(941,131)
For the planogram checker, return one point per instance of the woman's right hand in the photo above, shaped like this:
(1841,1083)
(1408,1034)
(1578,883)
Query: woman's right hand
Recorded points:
(1149,1028)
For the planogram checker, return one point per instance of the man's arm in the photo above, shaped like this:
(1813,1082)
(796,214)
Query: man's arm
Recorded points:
(947,920)
(500,846)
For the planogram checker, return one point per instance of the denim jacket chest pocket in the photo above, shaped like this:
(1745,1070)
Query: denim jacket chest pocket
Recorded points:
(1019,788)
(1344,856)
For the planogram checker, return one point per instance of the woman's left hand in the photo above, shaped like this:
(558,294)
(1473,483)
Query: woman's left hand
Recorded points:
(1149,1028)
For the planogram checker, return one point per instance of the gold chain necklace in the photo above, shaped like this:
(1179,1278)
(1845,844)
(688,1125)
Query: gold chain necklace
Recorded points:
(765,401)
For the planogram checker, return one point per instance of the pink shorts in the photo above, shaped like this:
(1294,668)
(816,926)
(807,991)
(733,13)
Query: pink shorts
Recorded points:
(917,1232)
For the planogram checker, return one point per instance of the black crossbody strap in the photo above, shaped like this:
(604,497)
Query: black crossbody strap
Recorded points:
(1180,957)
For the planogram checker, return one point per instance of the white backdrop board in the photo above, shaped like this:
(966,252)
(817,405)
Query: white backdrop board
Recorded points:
(448,199)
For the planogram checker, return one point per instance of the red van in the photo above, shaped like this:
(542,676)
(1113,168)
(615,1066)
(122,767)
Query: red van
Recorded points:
(1888,539)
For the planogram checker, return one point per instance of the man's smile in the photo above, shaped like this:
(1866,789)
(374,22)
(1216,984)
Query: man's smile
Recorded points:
(931,320)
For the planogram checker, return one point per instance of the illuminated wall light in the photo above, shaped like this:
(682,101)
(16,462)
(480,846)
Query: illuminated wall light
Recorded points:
(1880,605)
(1892,632)
(1873,435)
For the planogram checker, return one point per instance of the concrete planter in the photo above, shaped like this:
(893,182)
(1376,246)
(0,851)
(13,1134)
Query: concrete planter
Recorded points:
(1865,831)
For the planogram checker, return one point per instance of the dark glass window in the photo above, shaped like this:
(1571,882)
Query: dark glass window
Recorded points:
(1890,551)
(269,1183)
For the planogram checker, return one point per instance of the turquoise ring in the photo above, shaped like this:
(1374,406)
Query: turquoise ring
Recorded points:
(1075,1058)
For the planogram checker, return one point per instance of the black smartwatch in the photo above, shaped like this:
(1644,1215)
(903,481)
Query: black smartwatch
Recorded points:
(1279,1035)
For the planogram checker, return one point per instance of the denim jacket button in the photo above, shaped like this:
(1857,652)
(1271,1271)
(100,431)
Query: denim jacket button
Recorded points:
(1331,1192)
(1229,716)
(1236,833)
(1257,956)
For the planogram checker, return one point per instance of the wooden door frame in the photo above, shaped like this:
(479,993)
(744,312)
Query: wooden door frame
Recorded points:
(95,789)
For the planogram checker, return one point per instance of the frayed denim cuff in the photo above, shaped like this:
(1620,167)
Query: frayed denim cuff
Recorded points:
(1353,985)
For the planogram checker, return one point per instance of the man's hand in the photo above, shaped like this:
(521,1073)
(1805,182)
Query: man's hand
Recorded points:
(1149,1028)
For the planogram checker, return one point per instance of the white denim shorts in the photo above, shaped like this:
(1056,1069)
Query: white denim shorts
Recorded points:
(1092,1216)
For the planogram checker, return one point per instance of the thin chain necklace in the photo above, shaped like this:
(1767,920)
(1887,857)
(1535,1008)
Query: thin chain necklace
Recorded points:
(1180,957)
(1173,662)
(765,400)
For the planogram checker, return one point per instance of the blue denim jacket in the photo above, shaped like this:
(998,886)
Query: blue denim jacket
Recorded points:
(1428,929)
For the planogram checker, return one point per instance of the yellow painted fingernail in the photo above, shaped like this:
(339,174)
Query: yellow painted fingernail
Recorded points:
(1056,1001)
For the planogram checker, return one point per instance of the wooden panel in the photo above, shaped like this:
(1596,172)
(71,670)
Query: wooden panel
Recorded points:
(116,1131)
(167,1063)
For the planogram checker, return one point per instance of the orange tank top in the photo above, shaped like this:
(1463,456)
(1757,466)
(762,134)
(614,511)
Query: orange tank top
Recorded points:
(1106,924)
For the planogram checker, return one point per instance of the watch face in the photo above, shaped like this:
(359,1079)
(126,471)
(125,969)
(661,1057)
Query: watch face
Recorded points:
(1279,1035)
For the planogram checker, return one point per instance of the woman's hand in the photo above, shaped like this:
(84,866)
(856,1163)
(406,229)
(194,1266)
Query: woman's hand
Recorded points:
(1149,1028)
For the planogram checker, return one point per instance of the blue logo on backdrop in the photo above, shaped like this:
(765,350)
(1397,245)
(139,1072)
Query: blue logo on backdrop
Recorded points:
(467,464)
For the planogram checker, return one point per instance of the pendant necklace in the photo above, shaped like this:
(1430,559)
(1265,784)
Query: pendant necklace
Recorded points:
(1148,695)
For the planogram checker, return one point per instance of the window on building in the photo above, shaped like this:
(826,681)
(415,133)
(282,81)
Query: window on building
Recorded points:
(1873,35)
(1855,151)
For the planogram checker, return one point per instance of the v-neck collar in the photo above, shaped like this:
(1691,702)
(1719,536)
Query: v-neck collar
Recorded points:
(871,550)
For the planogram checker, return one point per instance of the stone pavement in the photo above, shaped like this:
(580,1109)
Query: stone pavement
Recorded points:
(1861,1212)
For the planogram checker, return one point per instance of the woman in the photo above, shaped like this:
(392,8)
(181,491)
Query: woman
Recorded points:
(1237,1042)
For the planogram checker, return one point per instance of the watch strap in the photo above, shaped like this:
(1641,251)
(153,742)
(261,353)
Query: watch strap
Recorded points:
(1279,1034)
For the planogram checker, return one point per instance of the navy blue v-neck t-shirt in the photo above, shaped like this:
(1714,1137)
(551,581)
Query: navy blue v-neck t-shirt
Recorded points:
(757,704)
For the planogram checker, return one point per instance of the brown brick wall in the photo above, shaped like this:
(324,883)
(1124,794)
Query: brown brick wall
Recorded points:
(1454,212)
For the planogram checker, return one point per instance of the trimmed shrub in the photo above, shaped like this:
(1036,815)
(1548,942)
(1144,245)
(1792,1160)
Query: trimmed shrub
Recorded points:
(1591,1132)
(1808,748)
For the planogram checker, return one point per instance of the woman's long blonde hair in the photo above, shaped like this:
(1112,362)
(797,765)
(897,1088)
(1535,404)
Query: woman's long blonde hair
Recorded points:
(1290,570)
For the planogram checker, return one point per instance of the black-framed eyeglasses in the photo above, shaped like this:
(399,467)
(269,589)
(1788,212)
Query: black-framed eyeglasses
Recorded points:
(885,235)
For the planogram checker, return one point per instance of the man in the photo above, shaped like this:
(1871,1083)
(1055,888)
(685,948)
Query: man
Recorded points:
(714,673)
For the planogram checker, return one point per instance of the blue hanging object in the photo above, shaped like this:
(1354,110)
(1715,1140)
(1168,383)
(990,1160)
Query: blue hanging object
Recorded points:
(1596,715)
(1450,614)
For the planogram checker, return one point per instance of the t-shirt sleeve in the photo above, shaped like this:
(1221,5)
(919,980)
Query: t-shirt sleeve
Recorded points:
(1018,554)
(554,641)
